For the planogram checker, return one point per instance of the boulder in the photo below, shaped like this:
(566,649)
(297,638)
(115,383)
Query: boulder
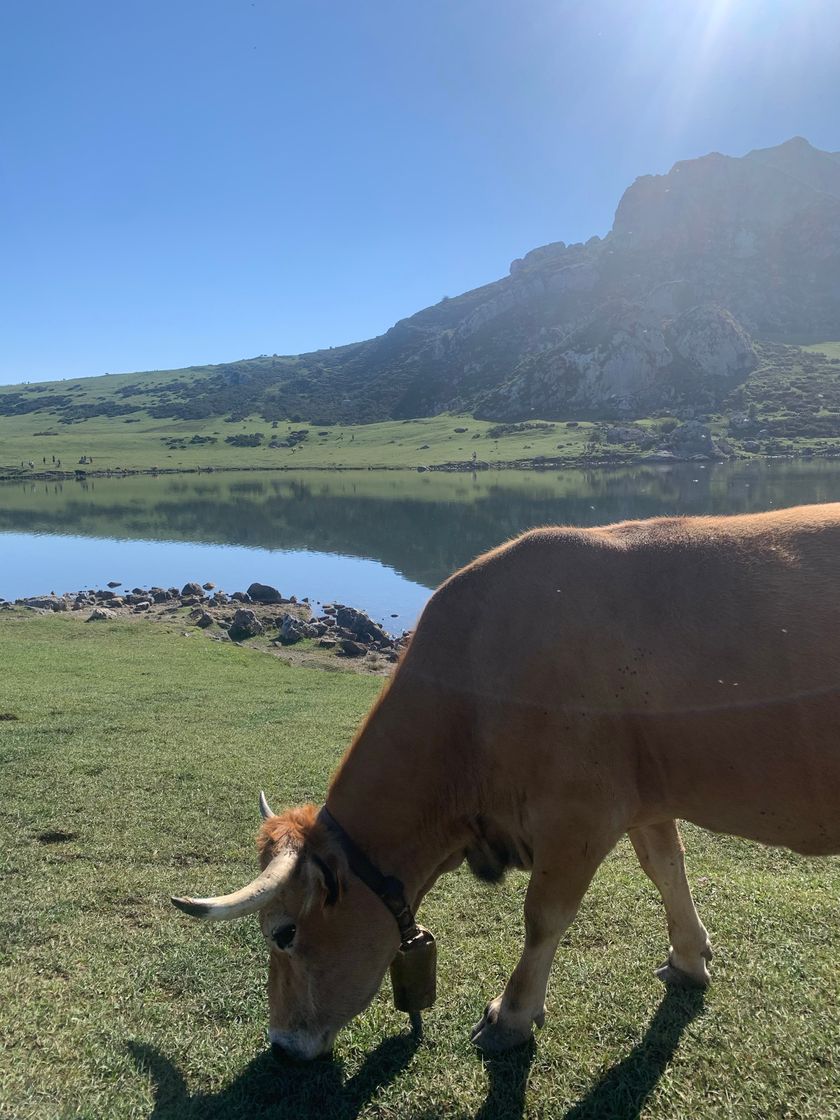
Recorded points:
(693,438)
(245,624)
(204,620)
(359,624)
(291,630)
(190,590)
(624,434)
(351,648)
(241,597)
(130,598)
(100,614)
(264,593)
(140,608)
(47,602)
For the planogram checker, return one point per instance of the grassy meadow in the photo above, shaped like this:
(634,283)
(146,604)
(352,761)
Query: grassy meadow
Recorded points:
(829,349)
(131,758)
(146,443)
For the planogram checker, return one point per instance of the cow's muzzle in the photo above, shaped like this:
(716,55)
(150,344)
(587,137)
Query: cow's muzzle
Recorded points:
(288,1047)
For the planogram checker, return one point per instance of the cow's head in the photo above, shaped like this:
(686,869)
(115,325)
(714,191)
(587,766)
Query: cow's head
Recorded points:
(330,938)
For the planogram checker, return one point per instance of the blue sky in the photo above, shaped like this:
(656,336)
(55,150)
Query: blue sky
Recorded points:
(189,181)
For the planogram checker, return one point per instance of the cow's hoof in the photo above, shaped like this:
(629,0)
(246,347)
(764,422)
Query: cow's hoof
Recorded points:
(675,977)
(491,1035)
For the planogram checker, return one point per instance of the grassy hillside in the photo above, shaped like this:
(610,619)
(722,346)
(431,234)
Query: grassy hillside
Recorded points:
(131,757)
(790,403)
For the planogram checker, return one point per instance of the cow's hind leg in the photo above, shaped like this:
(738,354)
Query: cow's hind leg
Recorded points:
(660,853)
(558,883)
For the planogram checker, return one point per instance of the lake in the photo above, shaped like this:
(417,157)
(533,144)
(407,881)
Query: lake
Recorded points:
(379,540)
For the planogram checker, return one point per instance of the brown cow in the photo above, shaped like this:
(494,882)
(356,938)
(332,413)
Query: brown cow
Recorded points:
(566,688)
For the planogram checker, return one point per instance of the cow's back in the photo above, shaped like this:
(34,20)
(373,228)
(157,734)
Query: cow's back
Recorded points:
(673,667)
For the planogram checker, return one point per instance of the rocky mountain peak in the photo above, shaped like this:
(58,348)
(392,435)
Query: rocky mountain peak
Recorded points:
(659,313)
(716,199)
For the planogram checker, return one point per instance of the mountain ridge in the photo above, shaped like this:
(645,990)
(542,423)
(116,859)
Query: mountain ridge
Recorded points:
(660,313)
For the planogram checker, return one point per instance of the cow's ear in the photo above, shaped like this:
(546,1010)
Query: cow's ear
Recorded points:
(325,875)
(331,880)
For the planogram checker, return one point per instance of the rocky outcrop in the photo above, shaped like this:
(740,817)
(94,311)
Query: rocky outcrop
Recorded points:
(714,344)
(629,360)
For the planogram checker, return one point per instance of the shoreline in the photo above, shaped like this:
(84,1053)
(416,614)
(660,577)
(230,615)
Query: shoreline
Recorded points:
(327,636)
(539,463)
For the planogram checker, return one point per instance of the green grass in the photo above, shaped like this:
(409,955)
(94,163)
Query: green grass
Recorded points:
(130,771)
(830,349)
(390,444)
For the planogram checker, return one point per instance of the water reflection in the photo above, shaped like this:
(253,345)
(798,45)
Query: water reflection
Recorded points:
(419,527)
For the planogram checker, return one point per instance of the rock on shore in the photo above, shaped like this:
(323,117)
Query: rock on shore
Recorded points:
(339,630)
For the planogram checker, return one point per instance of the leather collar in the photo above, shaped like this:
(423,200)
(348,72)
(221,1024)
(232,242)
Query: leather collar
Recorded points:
(387,888)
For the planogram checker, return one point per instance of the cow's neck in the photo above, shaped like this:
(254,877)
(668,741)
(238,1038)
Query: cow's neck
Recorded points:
(402,797)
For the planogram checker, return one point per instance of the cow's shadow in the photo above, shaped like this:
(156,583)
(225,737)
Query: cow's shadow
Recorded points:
(622,1091)
(318,1089)
(266,1089)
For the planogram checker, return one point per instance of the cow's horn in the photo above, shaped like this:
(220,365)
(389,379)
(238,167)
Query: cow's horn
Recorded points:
(245,901)
(265,809)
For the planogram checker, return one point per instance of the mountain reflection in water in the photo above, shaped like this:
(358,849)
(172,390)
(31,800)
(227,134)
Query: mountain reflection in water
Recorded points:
(414,529)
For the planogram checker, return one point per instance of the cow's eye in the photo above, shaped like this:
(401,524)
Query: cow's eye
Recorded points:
(283,936)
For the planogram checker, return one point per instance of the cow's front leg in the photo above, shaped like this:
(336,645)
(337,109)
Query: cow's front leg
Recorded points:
(554,894)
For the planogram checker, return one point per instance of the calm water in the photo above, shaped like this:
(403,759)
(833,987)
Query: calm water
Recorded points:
(378,540)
